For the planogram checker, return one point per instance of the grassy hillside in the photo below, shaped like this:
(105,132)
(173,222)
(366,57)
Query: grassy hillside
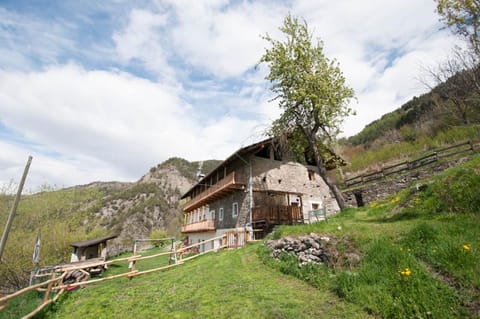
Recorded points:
(62,218)
(420,251)
(419,255)
(229,284)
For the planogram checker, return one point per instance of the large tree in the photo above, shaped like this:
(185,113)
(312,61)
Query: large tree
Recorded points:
(311,91)
(456,81)
(464,17)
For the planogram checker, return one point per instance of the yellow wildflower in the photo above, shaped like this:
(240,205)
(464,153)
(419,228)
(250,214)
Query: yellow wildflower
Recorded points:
(407,272)
(467,247)
(395,200)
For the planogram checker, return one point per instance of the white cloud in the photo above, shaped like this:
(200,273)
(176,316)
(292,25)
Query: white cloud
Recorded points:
(224,40)
(96,119)
(142,40)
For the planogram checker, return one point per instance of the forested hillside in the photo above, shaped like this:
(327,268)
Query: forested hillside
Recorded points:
(448,114)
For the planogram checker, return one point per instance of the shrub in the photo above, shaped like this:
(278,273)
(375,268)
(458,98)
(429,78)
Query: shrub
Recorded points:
(454,192)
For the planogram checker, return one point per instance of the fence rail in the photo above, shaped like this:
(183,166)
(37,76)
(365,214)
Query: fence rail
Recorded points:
(410,165)
(55,286)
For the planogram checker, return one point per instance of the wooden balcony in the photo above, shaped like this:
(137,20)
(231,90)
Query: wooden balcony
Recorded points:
(204,225)
(223,187)
(264,216)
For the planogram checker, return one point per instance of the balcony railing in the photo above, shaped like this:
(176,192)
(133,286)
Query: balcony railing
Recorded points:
(223,186)
(277,215)
(204,225)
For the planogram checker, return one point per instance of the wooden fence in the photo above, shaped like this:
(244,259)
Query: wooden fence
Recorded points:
(55,286)
(410,165)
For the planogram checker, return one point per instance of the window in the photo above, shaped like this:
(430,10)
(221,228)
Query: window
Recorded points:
(234,210)
(220,214)
(311,175)
(212,214)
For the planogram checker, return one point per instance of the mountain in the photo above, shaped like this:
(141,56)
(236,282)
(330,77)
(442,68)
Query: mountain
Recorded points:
(129,210)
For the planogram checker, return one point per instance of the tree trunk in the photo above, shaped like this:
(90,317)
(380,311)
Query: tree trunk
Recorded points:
(323,172)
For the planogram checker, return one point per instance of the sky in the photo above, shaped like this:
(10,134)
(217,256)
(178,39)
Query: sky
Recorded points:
(105,90)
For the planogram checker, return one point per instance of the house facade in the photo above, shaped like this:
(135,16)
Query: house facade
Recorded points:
(254,189)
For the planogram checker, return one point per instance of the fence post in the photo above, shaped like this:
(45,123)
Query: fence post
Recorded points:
(50,285)
(132,263)
(3,304)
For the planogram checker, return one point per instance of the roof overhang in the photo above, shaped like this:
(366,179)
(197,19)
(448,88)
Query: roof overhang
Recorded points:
(92,242)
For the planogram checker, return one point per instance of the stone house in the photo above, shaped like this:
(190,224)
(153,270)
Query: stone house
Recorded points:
(257,187)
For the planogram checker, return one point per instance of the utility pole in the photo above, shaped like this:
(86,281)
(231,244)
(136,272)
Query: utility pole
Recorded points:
(14,208)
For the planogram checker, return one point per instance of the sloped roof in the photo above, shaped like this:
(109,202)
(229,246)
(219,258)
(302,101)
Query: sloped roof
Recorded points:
(234,156)
(92,242)
(333,162)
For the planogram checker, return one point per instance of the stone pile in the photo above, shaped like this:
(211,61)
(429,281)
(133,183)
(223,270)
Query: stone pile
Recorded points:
(307,249)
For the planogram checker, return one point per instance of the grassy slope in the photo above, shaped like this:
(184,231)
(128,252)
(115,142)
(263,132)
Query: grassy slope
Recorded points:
(229,284)
(435,233)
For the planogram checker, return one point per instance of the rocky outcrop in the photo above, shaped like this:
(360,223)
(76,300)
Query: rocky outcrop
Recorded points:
(315,249)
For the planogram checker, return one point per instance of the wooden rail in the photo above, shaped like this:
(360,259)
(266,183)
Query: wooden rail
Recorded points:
(46,300)
(410,165)
(204,225)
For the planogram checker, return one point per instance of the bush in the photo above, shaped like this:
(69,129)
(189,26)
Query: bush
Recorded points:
(454,192)
(313,274)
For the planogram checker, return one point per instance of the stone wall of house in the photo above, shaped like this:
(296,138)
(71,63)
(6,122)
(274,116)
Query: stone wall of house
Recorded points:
(381,189)
(293,177)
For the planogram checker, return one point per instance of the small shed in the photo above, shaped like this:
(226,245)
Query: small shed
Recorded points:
(94,248)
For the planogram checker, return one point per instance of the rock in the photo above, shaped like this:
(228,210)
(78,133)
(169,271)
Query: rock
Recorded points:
(316,245)
(352,258)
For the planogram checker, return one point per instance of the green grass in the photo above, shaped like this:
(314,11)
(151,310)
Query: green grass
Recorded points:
(21,306)
(228,284)
(434,233)
(445,277)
